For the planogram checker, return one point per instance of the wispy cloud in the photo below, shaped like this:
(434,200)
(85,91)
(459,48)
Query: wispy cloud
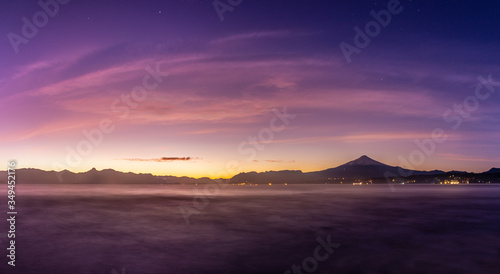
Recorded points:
(360,138)
(163,159)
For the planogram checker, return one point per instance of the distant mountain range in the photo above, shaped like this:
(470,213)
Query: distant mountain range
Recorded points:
(363,168)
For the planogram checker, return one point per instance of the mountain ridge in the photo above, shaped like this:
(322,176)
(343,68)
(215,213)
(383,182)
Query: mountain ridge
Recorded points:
(363,167)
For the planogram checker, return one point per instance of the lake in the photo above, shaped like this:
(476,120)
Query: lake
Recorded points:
(254,229)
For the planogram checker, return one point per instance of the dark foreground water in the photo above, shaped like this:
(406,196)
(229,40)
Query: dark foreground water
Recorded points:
(265,229)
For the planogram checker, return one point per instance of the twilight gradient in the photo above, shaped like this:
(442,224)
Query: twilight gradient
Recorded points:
(215,84)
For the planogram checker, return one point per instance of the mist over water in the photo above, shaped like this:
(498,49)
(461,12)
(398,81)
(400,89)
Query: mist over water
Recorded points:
(254,229)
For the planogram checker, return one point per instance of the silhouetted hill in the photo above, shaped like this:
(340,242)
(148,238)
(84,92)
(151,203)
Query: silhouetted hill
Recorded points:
(93,176)
(365,167)
(283,176)
(493,170)
(363,161)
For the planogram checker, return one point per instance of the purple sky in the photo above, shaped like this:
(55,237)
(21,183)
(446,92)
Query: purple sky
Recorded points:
(166,87)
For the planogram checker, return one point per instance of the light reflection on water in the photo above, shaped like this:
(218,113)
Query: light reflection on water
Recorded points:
(256,229)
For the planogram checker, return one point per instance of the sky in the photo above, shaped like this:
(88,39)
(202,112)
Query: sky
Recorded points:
(214,88)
